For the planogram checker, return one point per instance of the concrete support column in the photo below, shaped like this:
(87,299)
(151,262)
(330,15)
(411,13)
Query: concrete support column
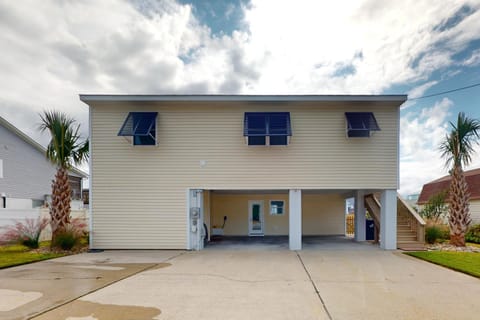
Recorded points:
(388,220)
(360,216)
(295,220)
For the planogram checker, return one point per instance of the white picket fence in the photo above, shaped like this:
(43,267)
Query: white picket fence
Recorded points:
(9,217)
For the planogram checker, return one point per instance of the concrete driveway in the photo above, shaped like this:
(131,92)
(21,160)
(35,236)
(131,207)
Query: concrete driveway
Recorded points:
(329,280)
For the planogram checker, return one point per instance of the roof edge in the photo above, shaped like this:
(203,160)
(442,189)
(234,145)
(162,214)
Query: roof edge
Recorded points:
(152,97)
(21,135)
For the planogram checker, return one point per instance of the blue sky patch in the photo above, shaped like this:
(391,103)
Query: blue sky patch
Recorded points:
(466,53)
(345,70)
(222,17)
(455,19)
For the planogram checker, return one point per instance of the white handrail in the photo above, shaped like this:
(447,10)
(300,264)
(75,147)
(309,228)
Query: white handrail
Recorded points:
(411,211)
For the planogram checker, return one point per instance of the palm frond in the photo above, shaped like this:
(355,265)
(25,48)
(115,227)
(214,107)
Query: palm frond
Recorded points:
(458,147)
(66,147)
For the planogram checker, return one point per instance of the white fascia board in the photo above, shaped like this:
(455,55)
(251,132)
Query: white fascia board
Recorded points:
(241,98)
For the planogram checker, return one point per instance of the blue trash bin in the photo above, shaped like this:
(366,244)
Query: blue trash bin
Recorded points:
(369,230)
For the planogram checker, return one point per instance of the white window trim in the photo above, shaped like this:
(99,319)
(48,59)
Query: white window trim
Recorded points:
(270,208)
(267,143)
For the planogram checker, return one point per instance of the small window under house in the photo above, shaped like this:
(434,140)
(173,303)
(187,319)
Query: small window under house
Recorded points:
(267,128)
(277,207)
(360,124)
(141,126)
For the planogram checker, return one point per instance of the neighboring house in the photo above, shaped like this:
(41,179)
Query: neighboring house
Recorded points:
(25,173)
(472,178)
(162,166)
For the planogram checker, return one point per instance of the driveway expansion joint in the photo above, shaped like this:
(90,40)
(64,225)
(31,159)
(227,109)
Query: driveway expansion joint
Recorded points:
(314,287)
(175,256)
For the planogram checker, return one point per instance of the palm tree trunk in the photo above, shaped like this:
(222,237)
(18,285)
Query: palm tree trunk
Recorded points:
(459,218)
(60,208)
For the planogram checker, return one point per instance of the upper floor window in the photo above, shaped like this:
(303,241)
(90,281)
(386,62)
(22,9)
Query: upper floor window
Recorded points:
(141,126)
(359,124)
(267,128)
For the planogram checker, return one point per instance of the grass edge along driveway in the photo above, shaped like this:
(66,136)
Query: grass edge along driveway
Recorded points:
(15,255)
(466,262)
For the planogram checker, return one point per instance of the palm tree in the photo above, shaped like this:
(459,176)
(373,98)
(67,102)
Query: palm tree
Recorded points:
(64,150)
(457,150)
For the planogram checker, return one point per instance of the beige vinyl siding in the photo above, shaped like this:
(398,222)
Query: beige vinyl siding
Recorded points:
(139,193)
(475,211)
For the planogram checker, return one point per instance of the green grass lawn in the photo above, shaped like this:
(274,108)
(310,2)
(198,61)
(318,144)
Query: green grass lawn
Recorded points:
(14,255)
(466,262)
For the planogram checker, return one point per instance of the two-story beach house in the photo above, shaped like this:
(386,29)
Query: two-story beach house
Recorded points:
(166,167)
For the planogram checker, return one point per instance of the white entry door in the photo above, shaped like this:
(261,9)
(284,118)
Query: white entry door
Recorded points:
(255,218)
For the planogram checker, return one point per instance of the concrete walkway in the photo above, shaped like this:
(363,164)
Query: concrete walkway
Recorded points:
(328,280)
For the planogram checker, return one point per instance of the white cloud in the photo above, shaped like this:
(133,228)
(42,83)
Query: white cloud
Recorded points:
(420,136)
(151,46)
(305,41)
(473,60)
(417,92)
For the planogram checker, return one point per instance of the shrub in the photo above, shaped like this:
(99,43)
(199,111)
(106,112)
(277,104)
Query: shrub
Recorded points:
(68,238)
(445,232)
(473,234)
(432,234)
(436,208)
(26,233)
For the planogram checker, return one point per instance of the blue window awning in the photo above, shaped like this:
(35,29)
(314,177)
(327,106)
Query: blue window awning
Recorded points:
(140,126)
(359,124)
(263,124)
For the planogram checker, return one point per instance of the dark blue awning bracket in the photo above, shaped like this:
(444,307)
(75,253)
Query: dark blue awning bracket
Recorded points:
(140,126)
(359,124)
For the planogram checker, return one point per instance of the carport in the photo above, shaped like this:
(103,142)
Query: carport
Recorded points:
(242,215)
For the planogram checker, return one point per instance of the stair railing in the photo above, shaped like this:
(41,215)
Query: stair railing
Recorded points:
(413,219)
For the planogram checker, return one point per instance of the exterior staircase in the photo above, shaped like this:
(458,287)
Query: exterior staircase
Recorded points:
(410,226)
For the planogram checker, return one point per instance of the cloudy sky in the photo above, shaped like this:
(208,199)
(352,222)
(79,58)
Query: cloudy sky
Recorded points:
(52,50)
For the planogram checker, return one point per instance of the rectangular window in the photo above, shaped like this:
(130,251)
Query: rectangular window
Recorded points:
(277,207)
(141,126)
(1,168)
(278,140)
(360,124)
(267,128)
(257,141)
